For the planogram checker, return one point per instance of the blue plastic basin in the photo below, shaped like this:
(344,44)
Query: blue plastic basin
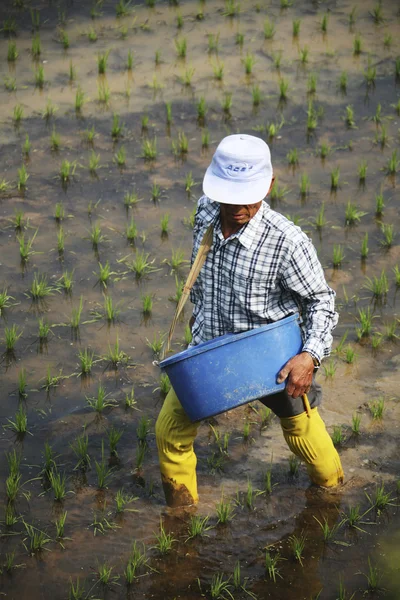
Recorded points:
(233,369)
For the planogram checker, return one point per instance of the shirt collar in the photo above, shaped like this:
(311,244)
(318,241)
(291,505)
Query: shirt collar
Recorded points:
(248,233)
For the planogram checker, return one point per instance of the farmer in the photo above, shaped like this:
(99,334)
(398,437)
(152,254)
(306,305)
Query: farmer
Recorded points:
(260,268)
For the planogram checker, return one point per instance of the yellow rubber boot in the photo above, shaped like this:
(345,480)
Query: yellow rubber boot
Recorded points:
(175,434)
(308,439)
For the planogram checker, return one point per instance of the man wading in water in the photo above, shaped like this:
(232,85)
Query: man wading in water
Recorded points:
(260,268)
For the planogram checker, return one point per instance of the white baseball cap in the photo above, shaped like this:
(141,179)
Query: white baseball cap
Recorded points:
(240,171)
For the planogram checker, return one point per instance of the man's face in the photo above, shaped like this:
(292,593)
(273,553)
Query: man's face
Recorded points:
(238,214)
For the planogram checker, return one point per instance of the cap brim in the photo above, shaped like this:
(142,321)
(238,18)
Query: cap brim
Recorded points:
(235,192)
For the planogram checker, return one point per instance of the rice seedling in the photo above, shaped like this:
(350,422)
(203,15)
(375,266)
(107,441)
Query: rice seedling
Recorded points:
(283,88)
(269,29)
(18,114)
(377,408)
(397,68)
(66,281)
(180,147)
(218,69)
(165,540)
(137,561)
(189,183)
(343,82)
(25,246)
(76,313)
(335,177)
(293,157)
(141,265)
(165,384)
(296,27)
(187,76)
(36,47)
(155,192)
(365,317)
(393,163)
(390,331)
(102,60)
(79,99)
(102,400)
(104,574)
(376,340)
(51,381)
(145,123)
(13,486)
(320,219)
(120,156)
(338,255)
(179,20)
(36,540)
(157,344)
(373,577)
(388,235)
(324,22)
(55,140)
(378,286)
(312,117)
(357,45)
(201,107)
(164,222)
(49,460)
(271,562)
(249,61)
(232,8)
(11,518)
(225,511)
(355,423)
(22,383)
(227,102)
(5,301)
(303,54)
(396,271)
(67,171)
(64,39)
(123,8)
(197,526)
(149,149)
(122,499)
(140,455)
(181,47)
(58,484)
(205,138)
(86,360)
(312,83)
(40,287)
(329,369)
(157,57)
(39,76)
(10,83)
(103,471)
(60,525)
(115,356)
(103,92)
(349,117)
(352,214)
(349,355)
(304,185)
(328,533)
(297,545)
(381,499)
(20,423)
(95,236)
(370,74)
(23,177)
(117,127)
(379,204)
(12,53)
(213,42)
(114,435)
(338,436)
(239,38)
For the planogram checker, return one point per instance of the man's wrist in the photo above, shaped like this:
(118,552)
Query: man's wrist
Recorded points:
(315,360)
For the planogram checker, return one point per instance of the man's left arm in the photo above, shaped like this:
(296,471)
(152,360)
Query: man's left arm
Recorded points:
(304,277)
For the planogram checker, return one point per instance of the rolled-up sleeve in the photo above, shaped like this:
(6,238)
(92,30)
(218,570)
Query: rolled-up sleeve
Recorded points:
(304,277)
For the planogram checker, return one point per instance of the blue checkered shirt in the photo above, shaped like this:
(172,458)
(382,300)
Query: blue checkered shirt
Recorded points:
(266,271)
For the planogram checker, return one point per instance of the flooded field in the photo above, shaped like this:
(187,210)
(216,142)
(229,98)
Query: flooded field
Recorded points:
(110,113)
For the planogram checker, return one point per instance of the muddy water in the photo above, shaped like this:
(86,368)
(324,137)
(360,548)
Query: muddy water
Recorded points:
(59,416)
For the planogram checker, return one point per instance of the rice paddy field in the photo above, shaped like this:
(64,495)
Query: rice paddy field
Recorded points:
(110,113)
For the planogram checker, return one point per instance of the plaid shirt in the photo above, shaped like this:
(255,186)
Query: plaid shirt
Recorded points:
(266,271)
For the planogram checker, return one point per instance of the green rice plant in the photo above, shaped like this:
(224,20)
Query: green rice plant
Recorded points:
(94,162)
(102,400)
(137,561)
(141,265)
(23,177)
(381,136)
(324,150)
(140,455)
(293,157)
(393,163)
(120,156)
(36,540)
(164,222)
(22,383)
(80,448)
(364,246)
(187,76)
(58,484)
(179,20)
(232,8)
(66,281)
(349,117)
(249,61)
(271,562)
(155,192)
(25,246)
(40,287)
(352,16)
(312,83)
(296,27)
(64,39)
(378,286)
(18,114)
(381,499)
(377,408)
(165,541)
(13,461)
(312,117)
(67,171)
(365,317)
(95,236)
(373,577)
(9,27)
(180,147)
(20,423)
(213,42)
(198,526)
(49,460)
(227,102)
(335,177)
(189,182)
(92,35)
(103,471)
(104,574)
(10,83)
(147,304)
(357,45)
(122,499)
(269,29)
(114,435)
(89,135)
(343,82)
(187,336)
(103,92)
(55,140)
(304,185)
(225,511)
(104,273)
(218,69)
(165,384)
(49,110)
(12,53)
(283,88)
(149,149)
(324,22)
(181,47)
(52,381)
(256,95)
(220,586)
(5,301)
(329,369)
(201,108)
(320,219)
(13,486)
(370,74)
(352,214)
(18,220)
(328,533)
(79,97)
(117,127)
(36,47)
(145,122)
(388,235)
(355,423)
(376,340)
(39,76)
(338,436)
(157,344)
(239,38)
(397,67)
(86,360)
(338,255)
(350,355)
(115,356)
(390,331)
(76,313)
(123,8)
(102,60)
(396,271)
(303,53)
(168,112)
(60,524)
(297,545)
(110,312)
(130,399)
(377,13)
